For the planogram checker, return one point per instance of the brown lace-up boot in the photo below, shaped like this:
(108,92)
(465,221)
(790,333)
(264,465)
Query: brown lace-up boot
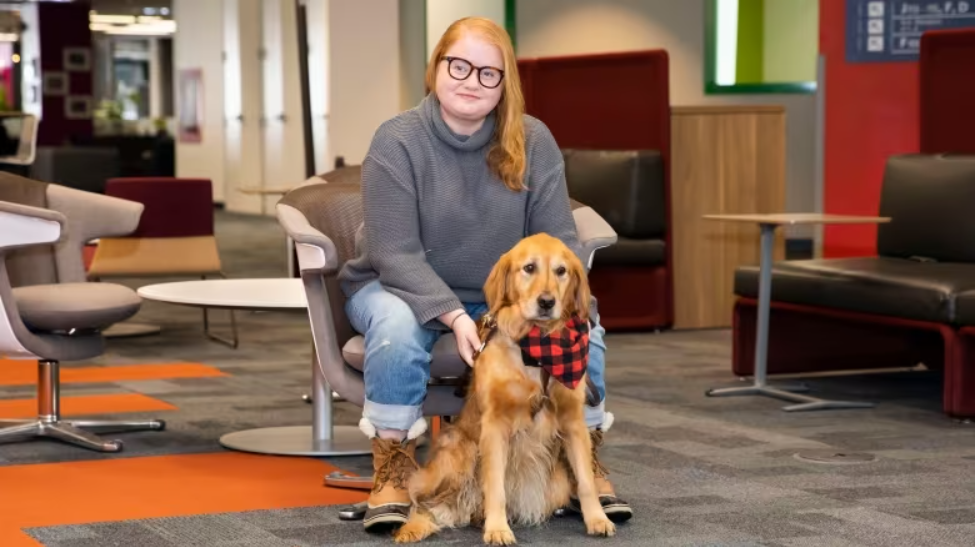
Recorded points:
(393,464)
(616,509)
(389,503)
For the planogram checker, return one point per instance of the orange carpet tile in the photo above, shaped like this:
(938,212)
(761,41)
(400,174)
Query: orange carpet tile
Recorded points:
(14,372)
(86,404)
(163,486)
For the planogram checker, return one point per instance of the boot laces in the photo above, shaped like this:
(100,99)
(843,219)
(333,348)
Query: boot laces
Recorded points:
(396,465)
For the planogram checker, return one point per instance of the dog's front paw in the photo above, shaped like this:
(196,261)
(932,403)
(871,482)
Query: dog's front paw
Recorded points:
(499,536)
(600,526)
(415,530)
(409,534)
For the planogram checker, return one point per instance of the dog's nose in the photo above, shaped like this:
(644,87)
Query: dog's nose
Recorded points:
(546,302)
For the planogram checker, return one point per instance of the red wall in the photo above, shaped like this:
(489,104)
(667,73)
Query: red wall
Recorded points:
(871,114)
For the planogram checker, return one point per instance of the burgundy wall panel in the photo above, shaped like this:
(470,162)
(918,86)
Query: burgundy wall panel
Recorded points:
(63,26)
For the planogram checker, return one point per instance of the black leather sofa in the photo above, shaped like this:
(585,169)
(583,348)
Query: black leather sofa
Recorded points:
(631,279)
(914,302)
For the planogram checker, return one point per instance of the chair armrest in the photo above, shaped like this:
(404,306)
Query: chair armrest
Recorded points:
(594,232)
(316,252)
(23,225)
(94,215)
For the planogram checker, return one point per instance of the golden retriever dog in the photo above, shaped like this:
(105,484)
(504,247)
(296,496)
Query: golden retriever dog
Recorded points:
(520,446)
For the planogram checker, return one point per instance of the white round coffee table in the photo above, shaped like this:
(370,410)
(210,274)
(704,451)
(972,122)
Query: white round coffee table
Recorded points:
(271,293)
(285,293)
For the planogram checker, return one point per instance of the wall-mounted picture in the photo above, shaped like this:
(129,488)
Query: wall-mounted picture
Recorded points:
(190,105)
(77,59)
(56,84)
(78,107)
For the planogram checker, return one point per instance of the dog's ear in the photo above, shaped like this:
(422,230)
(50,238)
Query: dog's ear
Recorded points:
(497,285)
(578,286)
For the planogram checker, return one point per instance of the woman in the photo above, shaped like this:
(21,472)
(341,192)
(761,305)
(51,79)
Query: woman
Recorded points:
(447,188)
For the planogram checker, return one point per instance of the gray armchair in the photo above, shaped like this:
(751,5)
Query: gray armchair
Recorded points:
(50,313)
(322,219)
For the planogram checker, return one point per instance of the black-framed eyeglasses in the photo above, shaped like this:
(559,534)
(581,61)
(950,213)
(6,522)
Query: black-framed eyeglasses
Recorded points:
(461,69)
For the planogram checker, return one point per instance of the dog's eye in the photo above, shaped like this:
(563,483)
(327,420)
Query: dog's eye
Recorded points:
(529,268)
(560,271)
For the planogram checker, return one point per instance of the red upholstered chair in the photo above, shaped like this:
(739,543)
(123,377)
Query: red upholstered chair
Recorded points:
(175,236)
(612,112)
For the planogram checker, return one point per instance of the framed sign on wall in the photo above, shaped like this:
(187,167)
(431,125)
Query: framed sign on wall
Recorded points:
(890,30)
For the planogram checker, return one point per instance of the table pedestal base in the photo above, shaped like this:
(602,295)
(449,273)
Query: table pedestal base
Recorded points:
(787,393)
(760,385)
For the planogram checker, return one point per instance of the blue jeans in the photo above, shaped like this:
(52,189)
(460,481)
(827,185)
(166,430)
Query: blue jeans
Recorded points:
(397,359)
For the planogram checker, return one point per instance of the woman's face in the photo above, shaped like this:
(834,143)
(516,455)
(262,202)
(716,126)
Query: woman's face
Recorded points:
(466,93)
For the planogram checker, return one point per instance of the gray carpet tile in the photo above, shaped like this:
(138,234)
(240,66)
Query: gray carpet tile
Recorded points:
(697,470)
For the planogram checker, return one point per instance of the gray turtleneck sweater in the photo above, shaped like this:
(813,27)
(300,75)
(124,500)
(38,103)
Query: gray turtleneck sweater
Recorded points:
(436,219)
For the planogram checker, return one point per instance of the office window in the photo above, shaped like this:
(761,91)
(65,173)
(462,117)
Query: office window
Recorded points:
(761,46)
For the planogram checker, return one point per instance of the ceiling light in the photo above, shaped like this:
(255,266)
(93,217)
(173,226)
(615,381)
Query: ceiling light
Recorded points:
(154,28)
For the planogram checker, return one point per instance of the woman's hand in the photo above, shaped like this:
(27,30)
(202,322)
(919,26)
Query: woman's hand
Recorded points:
(465,330)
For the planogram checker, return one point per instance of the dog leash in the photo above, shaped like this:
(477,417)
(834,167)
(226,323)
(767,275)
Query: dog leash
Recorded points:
(491,326)
(487,323)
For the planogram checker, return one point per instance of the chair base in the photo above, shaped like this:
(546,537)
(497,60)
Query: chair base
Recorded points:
(338,479)
(129,329)
(299,441)
(357,511)
(75,431)
(48,422)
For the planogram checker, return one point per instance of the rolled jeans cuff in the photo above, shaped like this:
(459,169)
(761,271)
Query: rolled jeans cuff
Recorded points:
(398,417)
(595,415)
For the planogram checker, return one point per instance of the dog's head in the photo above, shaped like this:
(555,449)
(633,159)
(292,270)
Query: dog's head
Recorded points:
(540,278)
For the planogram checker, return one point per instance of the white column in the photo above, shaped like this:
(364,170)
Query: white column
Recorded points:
(155,80)
(198,44)
(364,80)
(318,76)
(243,104)
(30,61)
(284,152)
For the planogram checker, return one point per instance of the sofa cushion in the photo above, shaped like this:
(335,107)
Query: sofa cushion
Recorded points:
(632,252)
(909,289)
(626,187)
(929,199)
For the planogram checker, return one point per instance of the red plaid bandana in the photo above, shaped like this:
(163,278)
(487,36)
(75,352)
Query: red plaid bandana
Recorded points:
(563,353)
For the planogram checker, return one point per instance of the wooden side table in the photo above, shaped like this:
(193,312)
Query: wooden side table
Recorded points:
(768,223)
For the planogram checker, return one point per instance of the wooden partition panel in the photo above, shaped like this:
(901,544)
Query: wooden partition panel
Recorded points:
(727,159)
